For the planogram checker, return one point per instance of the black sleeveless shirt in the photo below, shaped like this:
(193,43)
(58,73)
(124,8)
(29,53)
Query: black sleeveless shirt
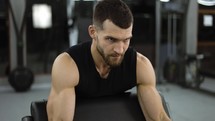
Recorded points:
(119,80)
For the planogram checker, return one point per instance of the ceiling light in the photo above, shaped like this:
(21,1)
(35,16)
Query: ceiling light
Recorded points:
(207,2)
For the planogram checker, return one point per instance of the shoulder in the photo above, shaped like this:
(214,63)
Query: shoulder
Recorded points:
(145,70)
(142,59)
(64,72)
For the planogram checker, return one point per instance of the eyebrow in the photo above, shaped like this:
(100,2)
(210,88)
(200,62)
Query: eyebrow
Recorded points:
(117,38)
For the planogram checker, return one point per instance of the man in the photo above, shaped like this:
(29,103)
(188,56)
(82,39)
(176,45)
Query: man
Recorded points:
(104,66)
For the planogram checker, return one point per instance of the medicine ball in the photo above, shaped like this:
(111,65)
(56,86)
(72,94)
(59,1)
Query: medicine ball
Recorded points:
(21,79)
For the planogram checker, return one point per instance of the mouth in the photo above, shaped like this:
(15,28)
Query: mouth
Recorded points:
(116,55)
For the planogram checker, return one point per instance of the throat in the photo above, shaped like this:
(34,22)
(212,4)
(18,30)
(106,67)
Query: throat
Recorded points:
(103,72)
(104,75)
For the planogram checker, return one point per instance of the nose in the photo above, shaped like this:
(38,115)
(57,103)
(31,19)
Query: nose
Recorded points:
(119,48)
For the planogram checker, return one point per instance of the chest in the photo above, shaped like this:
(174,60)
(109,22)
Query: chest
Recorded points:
(92,84)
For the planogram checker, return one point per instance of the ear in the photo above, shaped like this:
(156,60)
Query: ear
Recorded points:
(92,31)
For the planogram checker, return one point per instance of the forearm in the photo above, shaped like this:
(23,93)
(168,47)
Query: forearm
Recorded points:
(61,107)
(67,105)
(151,104)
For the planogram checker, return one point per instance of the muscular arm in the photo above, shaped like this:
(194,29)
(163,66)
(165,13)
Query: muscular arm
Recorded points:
(61,101)
(149,98)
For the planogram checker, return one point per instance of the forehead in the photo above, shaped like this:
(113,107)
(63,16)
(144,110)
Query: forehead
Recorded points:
(110,29)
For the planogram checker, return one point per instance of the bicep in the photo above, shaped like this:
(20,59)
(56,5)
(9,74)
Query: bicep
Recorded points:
(145,71)
(64,73)
(61,101)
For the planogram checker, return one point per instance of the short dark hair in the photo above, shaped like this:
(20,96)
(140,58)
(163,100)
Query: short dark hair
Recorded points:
(115,10)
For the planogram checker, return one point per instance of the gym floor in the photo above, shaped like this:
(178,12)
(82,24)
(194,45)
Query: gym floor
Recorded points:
(185,104)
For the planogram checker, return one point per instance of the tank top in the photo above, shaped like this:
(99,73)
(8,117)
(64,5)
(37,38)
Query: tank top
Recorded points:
(120,78)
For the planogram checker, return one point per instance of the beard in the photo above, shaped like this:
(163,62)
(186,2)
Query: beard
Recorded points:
(113,60)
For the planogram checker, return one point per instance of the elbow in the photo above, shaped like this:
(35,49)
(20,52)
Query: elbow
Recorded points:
(49,110)
(164,117)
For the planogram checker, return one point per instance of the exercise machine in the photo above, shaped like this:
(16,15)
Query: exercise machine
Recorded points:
(20,78)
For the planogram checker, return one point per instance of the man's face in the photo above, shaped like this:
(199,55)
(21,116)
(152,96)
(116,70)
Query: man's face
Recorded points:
(112,43)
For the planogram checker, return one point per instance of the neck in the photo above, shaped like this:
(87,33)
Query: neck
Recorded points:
(102,68)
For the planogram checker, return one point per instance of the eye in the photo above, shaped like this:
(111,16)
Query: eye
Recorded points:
(126,41)
(110,39)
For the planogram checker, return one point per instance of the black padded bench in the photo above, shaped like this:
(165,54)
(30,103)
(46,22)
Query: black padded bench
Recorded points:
(123,107)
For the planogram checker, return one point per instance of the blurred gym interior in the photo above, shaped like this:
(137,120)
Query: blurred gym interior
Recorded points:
(176,35)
